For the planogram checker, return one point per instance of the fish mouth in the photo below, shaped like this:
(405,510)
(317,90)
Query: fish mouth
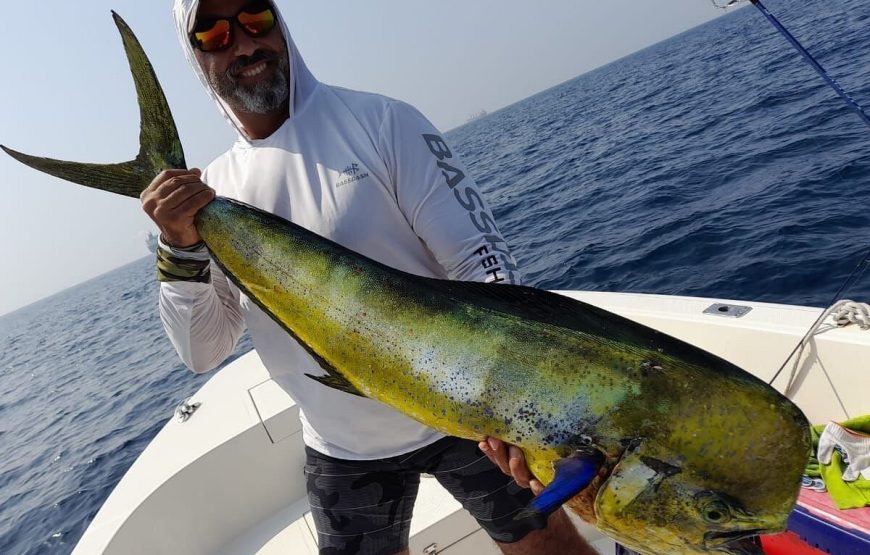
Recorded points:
(737,542)
(719,537)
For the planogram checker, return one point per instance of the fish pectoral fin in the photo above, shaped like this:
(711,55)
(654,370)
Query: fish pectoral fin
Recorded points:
(336,381)
(639,472)
(573,474)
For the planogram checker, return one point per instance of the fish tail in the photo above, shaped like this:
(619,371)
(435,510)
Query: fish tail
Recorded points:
(159,145)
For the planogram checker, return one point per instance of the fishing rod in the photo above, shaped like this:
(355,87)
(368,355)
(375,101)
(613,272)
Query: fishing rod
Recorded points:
(847,98)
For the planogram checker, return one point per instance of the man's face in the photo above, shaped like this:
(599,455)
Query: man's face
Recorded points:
(252,74)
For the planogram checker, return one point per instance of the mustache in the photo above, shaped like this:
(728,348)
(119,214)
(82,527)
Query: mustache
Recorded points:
(244,61)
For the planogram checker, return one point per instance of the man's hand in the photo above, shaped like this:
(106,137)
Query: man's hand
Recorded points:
(510,459)
(172,200)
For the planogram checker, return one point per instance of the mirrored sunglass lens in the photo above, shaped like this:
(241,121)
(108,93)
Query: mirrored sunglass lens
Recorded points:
(215,38)
(258,23)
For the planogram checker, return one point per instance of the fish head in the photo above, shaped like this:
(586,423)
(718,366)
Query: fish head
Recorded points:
(703,473)
(657,506)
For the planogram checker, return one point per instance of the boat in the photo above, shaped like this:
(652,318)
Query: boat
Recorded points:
(476,116)
(224,476)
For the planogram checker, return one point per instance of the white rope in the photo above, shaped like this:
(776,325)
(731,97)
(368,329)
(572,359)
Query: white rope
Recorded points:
(843,313)
(850,312)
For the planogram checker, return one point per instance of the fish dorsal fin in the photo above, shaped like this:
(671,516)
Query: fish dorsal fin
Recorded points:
(558,310)
(540,305)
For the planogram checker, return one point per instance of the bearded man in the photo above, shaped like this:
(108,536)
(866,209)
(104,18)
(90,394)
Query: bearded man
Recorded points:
(373,175)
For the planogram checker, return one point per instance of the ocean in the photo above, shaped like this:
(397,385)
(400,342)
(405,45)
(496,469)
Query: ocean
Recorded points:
(715,164)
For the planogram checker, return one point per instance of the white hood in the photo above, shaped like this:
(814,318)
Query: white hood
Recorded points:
(302,82)
(370,173)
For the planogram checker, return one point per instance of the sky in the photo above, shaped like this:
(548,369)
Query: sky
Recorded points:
(67,94)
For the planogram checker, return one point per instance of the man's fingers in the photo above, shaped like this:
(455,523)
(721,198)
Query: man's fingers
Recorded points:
(537,487)
(496,452)
(160,188)
(172,185)
(511,461)
(168,175)
(172,199)
(162,195)
(196,202)
(178,201)
(518,468)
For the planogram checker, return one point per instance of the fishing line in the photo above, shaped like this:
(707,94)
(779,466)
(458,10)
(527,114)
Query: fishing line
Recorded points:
(803,52)
(856,273)
(853,105)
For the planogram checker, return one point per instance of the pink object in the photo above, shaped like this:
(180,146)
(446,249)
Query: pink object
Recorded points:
(821,505)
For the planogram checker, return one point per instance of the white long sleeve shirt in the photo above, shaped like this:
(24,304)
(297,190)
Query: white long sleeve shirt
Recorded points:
(371,174)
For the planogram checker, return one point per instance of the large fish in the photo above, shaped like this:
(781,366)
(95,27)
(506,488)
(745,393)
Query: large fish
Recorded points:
(664,447)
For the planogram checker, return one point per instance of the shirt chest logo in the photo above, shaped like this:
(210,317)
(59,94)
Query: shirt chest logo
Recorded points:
(351,174)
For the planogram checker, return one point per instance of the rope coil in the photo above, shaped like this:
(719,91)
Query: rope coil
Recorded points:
(849,312)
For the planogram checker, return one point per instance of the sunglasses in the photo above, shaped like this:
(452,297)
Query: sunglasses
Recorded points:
(256,19)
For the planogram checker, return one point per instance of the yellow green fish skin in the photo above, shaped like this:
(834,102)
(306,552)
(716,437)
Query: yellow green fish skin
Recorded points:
(699,454)
(463,359)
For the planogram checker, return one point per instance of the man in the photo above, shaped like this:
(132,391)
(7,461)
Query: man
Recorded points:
(372,174)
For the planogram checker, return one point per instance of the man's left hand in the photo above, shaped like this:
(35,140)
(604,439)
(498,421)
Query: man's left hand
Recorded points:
(511,461)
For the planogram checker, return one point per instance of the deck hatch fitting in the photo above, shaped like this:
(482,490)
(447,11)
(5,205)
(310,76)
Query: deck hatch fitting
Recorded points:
(728,310)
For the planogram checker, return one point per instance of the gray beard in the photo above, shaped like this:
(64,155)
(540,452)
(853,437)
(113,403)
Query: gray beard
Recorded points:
(264,97)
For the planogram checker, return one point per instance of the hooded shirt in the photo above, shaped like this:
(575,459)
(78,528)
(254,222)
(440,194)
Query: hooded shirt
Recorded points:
(368,172)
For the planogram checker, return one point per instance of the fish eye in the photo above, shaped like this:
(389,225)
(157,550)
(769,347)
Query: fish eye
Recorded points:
(713,509)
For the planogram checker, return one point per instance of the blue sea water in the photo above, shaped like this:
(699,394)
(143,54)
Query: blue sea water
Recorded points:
(715,163)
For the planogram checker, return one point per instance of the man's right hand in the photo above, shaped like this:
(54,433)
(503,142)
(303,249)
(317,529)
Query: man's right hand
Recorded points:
(172,200)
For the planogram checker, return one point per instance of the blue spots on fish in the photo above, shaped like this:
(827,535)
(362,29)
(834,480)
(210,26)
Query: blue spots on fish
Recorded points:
(573,474)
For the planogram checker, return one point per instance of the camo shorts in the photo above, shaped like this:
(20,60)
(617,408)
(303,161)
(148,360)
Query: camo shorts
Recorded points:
(364,507)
